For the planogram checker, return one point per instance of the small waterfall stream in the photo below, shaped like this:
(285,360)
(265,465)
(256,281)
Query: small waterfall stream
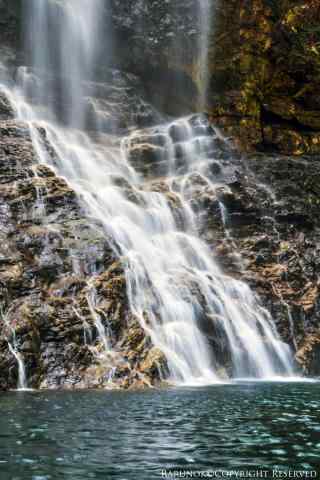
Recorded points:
(174,287)
(22,383)
(22,378)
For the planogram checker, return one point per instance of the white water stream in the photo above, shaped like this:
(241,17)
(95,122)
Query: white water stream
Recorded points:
(173,284)
(22,383)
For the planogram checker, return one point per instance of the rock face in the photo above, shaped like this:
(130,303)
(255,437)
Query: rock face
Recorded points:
(276,104)
(10,27)
(164,48)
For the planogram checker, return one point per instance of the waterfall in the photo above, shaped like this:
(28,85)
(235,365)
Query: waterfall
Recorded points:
(63,40)
(22,383)
(190,309)
(22,379)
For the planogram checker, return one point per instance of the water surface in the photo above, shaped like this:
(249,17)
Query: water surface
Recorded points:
(136,435)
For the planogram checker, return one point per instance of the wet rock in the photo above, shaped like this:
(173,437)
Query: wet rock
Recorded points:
(215,168)
(116,102)
(6,110)
(148,158)
(155,364)
(309,356)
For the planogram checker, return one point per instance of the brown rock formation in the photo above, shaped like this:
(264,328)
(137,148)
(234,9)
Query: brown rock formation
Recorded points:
(276,104)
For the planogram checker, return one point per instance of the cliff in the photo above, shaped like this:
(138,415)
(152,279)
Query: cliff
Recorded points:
(264,72)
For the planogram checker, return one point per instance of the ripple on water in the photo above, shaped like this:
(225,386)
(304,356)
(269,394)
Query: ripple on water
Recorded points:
(132,435)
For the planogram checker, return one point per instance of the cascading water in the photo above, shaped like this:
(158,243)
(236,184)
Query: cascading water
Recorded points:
(22,383)
(63,40)
(22,378)
(175,289)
